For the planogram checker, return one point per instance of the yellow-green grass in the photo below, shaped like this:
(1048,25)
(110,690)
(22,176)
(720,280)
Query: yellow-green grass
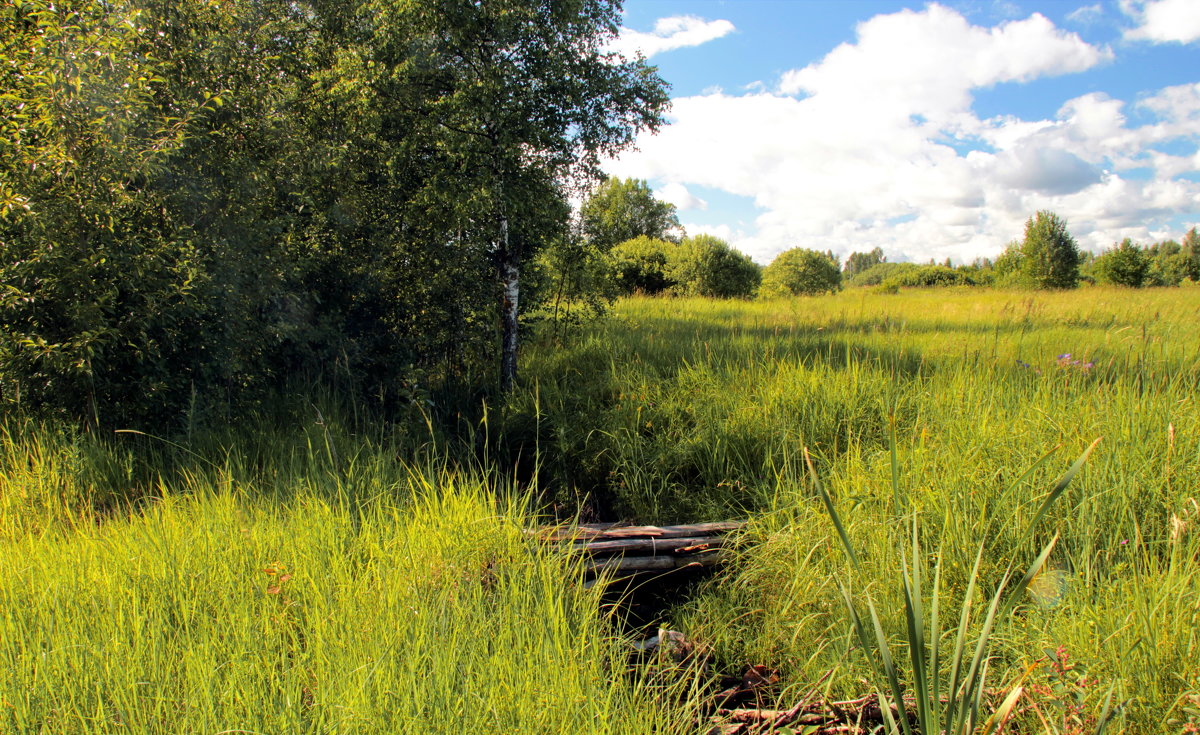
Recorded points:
(308,594)
(136,596)
(702,409)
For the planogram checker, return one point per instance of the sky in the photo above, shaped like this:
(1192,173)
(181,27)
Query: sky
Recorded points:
(928,130)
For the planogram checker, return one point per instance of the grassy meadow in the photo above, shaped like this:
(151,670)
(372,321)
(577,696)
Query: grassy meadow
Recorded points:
(330,574)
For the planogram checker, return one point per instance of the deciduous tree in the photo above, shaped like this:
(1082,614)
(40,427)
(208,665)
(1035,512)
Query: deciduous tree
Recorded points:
(622,209)
(1049,255)
(705,265)
(517,98)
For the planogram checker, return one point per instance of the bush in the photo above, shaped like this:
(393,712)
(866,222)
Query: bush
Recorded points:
(1169,271)
(931,275)
(1123,265)
(707,266)
(800,272)
(877,274)
(641,265)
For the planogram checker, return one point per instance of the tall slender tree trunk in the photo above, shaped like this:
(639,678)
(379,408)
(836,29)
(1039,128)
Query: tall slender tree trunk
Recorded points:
(510,286)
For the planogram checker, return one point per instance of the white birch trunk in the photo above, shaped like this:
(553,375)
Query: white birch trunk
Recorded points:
(510,283)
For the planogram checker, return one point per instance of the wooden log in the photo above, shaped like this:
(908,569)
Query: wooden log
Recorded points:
(651,563)
(651,546)
(586,533)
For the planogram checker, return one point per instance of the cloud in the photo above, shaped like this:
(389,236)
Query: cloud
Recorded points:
(678,194)
(677,31)
(1086,15)
(929,61)
(877,144)
(1163,21)
(1046,170)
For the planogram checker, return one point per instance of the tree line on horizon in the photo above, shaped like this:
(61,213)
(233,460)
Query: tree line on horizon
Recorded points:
(656,259)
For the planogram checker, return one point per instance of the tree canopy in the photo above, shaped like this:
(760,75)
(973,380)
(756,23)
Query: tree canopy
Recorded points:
(1049,255)
(1124,264)
(623,209)
(705,265)
(213,197)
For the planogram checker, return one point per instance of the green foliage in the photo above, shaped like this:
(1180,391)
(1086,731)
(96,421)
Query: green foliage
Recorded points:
(642,265)
(878,273)
(1171,262)
(932,275)
(575,281)
(1170,270)
(213,198)
(620,210)
(1124,264)
(1049,255)
(1190,250)
(704,265)
(1010,263)
(856,263)
(800,272)
(103,281)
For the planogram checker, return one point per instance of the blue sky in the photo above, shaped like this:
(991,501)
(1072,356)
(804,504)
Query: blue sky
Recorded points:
(930,130)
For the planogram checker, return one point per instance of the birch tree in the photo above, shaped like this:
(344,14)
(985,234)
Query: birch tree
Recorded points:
(519,100)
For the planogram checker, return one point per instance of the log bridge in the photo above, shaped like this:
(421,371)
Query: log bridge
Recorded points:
(621,549)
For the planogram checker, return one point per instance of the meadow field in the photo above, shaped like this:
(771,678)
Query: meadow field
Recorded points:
(984,500)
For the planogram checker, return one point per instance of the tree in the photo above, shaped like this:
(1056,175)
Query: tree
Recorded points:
(1190,249)
(100,278)
(858,262)
(878,273)
(1050,256)
(620,210)
(800,271)
(705,265)
(517,98)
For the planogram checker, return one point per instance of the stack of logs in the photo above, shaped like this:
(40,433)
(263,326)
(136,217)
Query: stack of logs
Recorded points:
(613,548)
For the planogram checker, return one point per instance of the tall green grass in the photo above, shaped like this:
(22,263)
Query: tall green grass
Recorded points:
(300,572)
(289,589)
(701,409)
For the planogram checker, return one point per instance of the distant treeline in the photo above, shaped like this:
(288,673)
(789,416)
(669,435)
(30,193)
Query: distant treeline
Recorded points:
(656,260)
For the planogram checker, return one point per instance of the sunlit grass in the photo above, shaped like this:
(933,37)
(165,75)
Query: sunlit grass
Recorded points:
(339,576)
(367,597)
(703,409)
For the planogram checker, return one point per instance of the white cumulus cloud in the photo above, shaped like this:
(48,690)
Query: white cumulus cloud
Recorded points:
(928,62)
(877,144)
(1163,21)
(677,31)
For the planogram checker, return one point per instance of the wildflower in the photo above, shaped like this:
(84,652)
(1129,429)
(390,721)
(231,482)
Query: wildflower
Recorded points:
(1065,356)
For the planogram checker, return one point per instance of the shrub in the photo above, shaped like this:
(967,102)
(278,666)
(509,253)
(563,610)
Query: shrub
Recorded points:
(641,265)
(707,266)
(1125,264)
(931,275)
(877,274)
(1169,270)
(800,272)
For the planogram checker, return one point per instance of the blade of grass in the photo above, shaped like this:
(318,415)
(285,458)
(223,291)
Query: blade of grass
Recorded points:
(833,514)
